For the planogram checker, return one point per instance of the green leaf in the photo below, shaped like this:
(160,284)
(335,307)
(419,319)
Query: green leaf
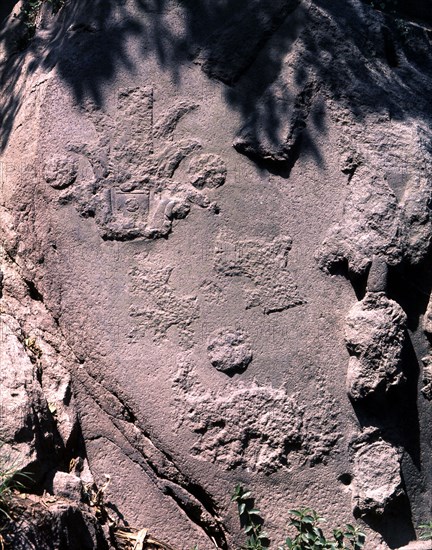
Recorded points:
(308,519)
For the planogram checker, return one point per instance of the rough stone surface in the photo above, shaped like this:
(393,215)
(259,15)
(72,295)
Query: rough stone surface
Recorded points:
(67,486)
(377,478)
(253,426)
(228,350)
(418,545)
(374,337)
(215,218)
(44,524)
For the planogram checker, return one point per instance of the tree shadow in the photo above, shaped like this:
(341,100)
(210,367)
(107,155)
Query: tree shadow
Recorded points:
(342,47)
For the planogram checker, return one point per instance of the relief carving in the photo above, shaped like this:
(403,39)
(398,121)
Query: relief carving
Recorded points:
(254,426)
(229,351)
(157,307)
(129,185)
(263,265)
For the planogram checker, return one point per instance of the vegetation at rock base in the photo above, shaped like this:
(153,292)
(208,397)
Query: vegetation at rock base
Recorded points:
(310,536)
(426,531)
(250,520)
(11,480)
(305,524)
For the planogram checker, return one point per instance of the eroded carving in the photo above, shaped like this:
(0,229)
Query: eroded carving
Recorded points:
(157,307)
(229,350)
(130,187)
(60,171)
(258,427)
(377,477)
(207,171)
(264,264)
(212,292)
(374,335)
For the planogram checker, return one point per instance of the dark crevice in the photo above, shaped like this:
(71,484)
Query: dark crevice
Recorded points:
(193,499)
(359,284)
(389,48)
(33,291)
(410,287)
(398,513)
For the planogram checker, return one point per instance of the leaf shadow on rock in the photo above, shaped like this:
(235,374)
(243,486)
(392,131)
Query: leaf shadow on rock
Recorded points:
(246,46)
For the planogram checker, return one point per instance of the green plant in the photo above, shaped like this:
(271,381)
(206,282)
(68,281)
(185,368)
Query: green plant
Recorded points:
(386,5)
(250,520)
(11,480)
(305,522)
(310,536)
(28,15)
(426,531)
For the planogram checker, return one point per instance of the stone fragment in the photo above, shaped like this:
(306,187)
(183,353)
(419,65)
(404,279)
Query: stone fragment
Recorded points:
(67,486)
(377,478)
(229,351)
(427,377)
(377,276)
(207,171)
(376,224)
(374,336)
(369,227)
(79,467)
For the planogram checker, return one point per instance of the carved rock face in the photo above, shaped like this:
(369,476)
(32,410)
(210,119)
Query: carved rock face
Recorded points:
(229,351)
(207,171)
(374,337)
(258,427)
(200,166)
(377,478)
